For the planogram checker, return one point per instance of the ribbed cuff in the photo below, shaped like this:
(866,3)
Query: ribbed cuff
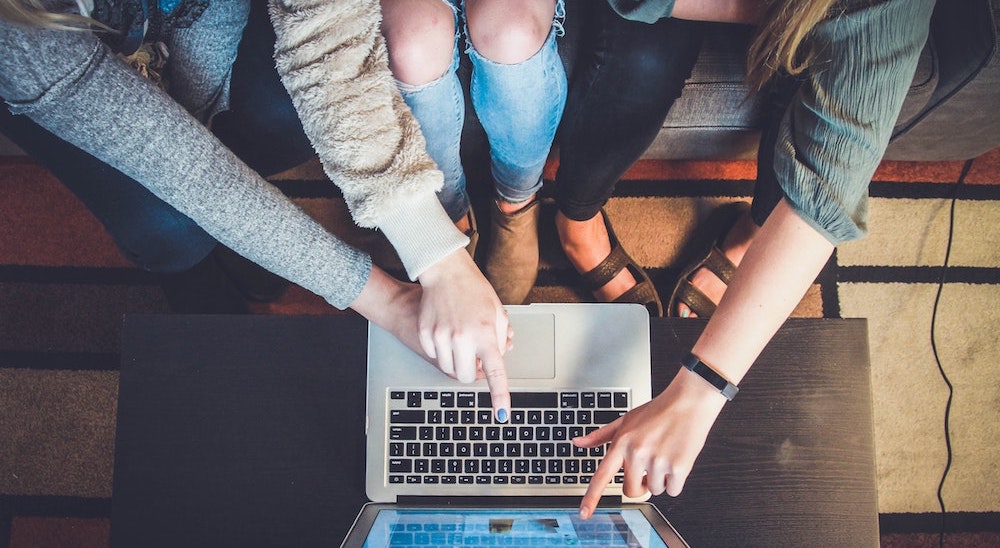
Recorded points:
(421,233)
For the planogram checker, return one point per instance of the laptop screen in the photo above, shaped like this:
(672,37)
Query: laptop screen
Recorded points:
(393,526)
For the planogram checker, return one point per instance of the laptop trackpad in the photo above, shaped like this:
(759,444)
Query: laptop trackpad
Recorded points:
(533,355)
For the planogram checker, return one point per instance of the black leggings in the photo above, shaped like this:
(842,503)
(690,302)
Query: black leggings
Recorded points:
(625,79)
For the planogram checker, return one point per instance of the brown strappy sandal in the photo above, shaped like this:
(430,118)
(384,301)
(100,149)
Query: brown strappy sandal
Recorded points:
(712,258)
(643,292)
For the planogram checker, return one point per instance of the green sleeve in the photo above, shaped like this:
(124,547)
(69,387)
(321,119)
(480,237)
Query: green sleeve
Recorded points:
(836,129)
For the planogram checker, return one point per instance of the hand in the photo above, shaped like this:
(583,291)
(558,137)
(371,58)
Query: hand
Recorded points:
(394,306)
(463,326)
(656,443)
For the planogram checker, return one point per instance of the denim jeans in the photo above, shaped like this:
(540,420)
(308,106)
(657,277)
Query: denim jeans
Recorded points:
(519,106)
(261,126)
(626,76)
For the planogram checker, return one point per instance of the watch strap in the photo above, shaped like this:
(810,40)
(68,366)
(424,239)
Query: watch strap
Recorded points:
(695,365)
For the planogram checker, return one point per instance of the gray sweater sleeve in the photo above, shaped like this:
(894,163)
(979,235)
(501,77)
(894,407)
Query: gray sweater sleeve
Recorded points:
(838,125)
(333,60)
(69,83)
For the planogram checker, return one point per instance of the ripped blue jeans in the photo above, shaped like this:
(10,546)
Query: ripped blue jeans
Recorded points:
(519,106)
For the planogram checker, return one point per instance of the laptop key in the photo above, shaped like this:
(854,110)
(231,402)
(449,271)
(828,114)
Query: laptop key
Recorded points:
(465,399)
(605,417)
(407,416)
(534,400)
(400,465)
(402,432)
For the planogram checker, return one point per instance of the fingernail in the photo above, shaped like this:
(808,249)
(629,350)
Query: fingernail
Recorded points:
(501,415)
(685,313)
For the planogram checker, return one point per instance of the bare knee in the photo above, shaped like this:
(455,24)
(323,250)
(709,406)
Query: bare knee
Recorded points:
(420,36)
(509,31)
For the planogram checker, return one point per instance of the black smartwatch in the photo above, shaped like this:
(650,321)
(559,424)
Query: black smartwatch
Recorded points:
(694,364)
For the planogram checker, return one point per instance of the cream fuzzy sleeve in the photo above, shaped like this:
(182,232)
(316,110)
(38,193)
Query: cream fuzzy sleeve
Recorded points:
(333,61)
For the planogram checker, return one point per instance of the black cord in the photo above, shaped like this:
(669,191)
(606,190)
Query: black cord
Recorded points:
(944,376)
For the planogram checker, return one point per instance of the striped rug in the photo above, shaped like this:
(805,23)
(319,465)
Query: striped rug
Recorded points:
(64,288)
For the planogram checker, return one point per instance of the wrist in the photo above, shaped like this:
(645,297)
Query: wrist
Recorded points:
(446,268)
(689,391)
(711,377)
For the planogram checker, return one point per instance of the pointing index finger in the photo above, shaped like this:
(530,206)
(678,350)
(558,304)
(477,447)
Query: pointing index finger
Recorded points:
(602,477)
(496,377)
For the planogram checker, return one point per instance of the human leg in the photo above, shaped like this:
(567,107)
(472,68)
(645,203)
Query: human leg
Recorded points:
(518,89)
(261,124)
(626,78)
(733,236)
(149,232)
(421,37)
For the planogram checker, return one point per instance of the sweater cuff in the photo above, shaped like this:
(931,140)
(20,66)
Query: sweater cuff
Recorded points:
(421,233)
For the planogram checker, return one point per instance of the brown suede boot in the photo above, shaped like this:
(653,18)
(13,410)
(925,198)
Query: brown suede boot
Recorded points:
(512,258)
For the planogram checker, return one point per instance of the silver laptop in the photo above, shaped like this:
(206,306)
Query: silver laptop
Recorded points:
(438,462)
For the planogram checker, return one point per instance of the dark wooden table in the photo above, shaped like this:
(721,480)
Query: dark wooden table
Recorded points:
(249,431)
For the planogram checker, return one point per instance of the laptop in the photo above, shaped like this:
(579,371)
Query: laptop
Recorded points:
(440,468)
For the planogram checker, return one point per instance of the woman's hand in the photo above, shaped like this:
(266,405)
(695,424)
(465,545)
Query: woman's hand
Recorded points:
(656,443)
(463,325)
(453,320)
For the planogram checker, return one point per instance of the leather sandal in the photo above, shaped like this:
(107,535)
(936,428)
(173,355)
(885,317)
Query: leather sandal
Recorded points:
(643,292)
(711,256)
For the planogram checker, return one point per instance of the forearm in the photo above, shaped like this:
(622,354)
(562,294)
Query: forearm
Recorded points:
(720,11)
(782,262)
(87,97)
(333,61)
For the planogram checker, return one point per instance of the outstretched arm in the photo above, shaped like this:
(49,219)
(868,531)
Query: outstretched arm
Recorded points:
(658,443)
(831,140)
(333,60)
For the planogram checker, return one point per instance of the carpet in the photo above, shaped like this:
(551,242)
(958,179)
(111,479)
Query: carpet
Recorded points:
(64,288)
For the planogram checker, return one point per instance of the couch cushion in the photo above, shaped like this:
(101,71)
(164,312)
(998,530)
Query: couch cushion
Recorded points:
(714,117)
(963,107)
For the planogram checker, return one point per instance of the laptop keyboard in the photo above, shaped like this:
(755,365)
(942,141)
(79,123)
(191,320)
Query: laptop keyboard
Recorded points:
(444,437)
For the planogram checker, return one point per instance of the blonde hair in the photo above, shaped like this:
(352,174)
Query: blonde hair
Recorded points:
(781,37)
(35,13)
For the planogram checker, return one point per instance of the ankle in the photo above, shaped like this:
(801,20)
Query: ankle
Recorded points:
(510,208)
(738,240)
(464,224)
(580,235)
